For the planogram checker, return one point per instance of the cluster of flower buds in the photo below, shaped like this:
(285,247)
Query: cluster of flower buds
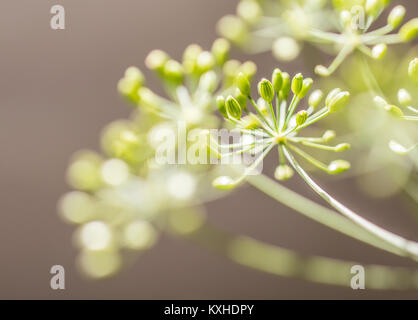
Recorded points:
(280,26)
(283,26)
(191,85)
(122,197)
(276,121)
(355,33)
(405,102)
(117,210)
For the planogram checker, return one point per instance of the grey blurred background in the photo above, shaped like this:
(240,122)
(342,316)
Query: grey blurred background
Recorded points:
(58,90)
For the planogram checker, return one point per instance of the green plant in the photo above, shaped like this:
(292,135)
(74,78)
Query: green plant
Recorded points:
(126,197)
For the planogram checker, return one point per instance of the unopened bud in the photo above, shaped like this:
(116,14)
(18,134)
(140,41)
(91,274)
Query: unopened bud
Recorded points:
(409,30)
(338,166)
(284,92)
(173,71)
(220,50)
(283,172)
(394,110)
(233,108)
(301,117)
(338,101)
(396,16)
(315,98)
(277,79)
(322,71)
(404,97)
(156,60)
(306,86)
(265,89)
(297,83)
(379,51)
(243,84)
(413,70)
(224,183)
(342,147)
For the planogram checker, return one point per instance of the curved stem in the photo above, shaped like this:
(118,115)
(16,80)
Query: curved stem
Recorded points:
(407,247)
(317,212)
(283,262)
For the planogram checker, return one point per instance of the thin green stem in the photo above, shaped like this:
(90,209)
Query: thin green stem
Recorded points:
(293,104)
(309,158)
(273,116)
(409,248)
(317,212)
(269,128)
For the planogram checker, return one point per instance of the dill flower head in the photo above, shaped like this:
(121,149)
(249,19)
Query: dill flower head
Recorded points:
(191,86)
(279,26)
(354,32)
(276,122)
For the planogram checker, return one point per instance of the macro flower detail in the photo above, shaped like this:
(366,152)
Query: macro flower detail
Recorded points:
(355,33)
(191,86)
(124,198)
(405,100)
(277,124)
(277,25)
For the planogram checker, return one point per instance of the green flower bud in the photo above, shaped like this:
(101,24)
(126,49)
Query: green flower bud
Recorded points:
(233,108)
(190,57)
(331,95)
(233,28)
(220,102)
(265,89)
(342,147)
(404,97)
(205,61)
(249,10)
(134,74)
(128,86)
(394,110)
(297,83)
(374,7)
(338,101)
(396,16)
(409,30)
(284,92)
(283,172)
(413,70)
(338,166)
(224,183)
(241,98)
(277,79)
(306,86)
(243,84)
(301,117)
(379,51)
(173,71)
(328,135)
(380,101)
(398,148)
(286,49)
(208,81)
(322,71)
(249,68)
(84,171)
(315,98)
(220,50)
(156,60)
